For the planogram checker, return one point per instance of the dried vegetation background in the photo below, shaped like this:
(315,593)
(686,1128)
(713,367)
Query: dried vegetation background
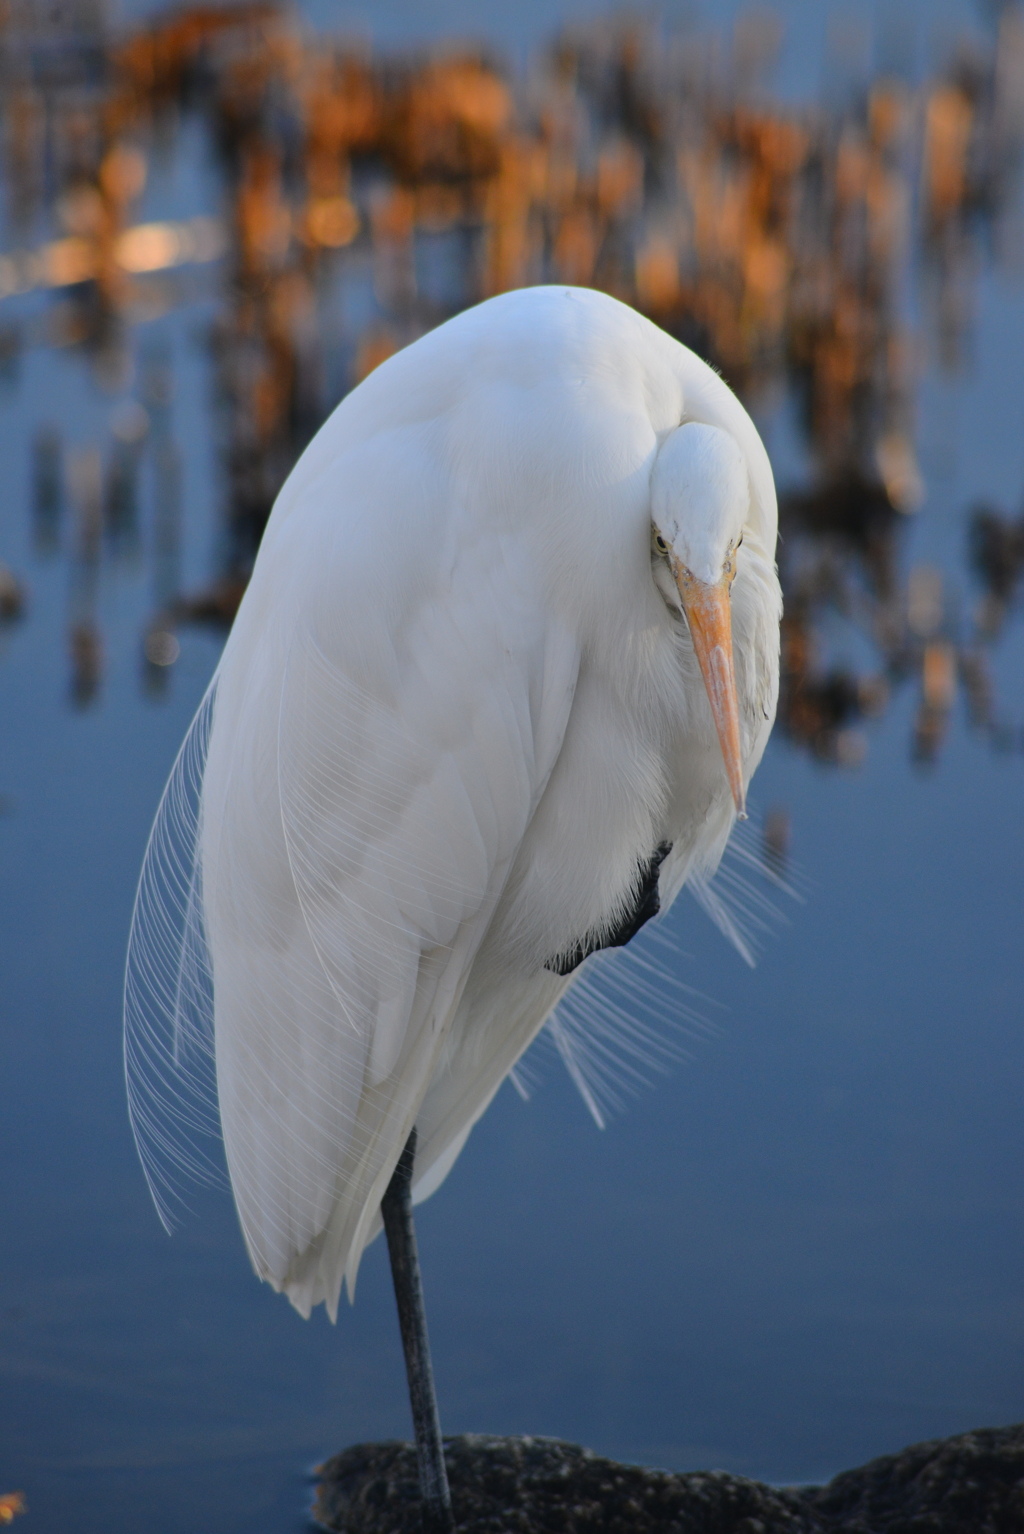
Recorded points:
(816,254)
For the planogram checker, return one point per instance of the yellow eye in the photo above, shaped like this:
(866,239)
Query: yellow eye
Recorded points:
(659,543)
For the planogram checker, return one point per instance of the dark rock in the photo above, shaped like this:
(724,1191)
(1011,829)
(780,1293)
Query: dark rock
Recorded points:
(973,1484)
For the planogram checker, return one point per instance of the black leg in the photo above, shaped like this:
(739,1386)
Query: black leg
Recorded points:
(396,1207)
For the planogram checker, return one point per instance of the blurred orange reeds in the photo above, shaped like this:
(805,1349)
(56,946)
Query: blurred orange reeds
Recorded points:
(778,241)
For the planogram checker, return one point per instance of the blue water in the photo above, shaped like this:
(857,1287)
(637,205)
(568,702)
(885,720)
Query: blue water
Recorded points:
(800,1249)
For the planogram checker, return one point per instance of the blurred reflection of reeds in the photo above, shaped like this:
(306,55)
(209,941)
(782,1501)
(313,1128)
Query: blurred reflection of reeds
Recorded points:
(367,199)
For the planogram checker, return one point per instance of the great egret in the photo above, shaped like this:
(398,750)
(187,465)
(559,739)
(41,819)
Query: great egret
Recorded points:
(506,664)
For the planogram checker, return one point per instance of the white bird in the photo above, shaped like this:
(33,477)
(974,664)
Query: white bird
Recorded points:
(513,632)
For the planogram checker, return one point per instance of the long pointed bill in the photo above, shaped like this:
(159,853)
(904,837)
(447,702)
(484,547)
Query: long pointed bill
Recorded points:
(708,614)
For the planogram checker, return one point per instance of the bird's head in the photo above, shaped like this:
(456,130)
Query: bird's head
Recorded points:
(700,499)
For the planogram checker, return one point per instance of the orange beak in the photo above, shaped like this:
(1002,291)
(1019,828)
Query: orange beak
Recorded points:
(708,613)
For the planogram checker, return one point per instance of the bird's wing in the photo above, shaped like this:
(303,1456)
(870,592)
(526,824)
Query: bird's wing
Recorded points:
(362,803)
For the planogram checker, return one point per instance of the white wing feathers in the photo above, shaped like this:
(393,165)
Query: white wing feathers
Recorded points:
(355,842)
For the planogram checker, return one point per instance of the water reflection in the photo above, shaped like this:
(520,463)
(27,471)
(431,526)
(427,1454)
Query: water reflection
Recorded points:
(365,199)
(47,490)
(85,645)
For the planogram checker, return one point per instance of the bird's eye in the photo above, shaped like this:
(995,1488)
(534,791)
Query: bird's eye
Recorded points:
(659,543)
(729,570)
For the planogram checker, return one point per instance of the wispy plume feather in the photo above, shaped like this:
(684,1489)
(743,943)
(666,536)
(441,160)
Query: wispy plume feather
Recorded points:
(628,1017)
(168,1002)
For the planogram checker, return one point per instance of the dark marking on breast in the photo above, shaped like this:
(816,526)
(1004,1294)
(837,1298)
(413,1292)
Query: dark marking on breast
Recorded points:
(646,904)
